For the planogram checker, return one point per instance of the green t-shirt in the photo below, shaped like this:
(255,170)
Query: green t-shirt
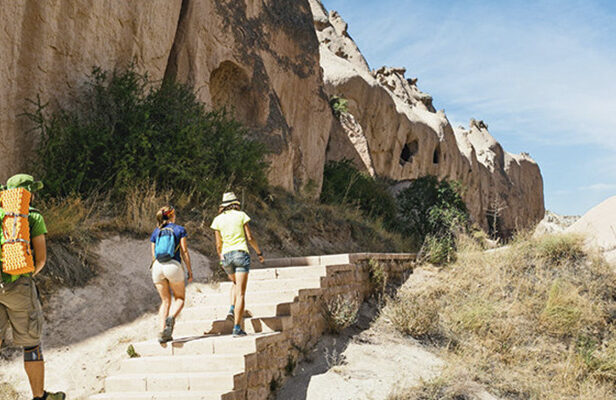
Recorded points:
(230,224)
(37,228)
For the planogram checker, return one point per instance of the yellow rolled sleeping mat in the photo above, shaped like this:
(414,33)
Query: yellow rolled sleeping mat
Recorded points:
(16,253)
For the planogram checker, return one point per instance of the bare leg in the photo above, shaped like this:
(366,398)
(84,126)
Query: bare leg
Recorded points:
(240,291)
(36,375)
(232,291)
(179,294)
(165,296)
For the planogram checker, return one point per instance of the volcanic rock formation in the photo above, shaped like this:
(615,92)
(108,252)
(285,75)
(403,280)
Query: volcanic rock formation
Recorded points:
(275,64)
(391,129)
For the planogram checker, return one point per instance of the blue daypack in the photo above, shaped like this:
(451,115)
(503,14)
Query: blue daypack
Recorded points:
(165,247)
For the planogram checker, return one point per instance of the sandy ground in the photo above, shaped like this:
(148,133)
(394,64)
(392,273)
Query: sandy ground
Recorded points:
(88,329)
(368,361)
(360,364)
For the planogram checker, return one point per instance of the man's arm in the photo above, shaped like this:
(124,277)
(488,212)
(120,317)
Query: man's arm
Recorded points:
(40,253)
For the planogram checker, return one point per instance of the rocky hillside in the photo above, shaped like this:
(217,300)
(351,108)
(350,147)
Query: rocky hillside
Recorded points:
(276,64)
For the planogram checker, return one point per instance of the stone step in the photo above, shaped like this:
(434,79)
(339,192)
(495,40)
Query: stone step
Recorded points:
(197,345)
(183,395)
(171,382)
(296,272)
(278,284)
(225,326)
(269,296)
(229,363)
(219,311)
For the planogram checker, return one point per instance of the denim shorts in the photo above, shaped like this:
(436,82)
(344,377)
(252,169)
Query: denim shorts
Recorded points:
(236,261)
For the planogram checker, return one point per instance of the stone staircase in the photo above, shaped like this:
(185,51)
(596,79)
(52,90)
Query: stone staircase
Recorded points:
(283,316)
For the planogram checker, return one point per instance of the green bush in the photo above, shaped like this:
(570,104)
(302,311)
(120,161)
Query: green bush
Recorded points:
(429,207)
(432,211)
(125,130)
(339,105)
(344,184)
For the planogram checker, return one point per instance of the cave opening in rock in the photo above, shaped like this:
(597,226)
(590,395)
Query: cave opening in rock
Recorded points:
(408,151)
(436,157)
(230,88)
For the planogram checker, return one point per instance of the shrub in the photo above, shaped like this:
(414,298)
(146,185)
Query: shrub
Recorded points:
(339,105)
(413,315)
(378,277)
(340,312)
(344,184)
(429,207)
(432,212)
(124,130)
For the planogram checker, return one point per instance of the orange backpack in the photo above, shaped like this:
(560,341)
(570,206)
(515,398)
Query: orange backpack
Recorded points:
(16,255)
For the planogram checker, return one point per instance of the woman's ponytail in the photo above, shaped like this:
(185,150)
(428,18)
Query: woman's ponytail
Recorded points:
(164,215)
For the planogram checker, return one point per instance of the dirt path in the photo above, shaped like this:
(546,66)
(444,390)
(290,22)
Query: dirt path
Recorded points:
(88,329)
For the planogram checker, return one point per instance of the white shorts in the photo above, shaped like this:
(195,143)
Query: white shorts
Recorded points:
(169,270)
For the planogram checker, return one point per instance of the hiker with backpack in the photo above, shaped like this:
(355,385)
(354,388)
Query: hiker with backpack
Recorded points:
(232,234)
(24,253)
(169,248)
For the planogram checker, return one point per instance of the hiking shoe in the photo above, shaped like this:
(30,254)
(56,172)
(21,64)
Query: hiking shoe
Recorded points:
(55,396)
(168,331)
(238,332)
(164,337)
(231,315)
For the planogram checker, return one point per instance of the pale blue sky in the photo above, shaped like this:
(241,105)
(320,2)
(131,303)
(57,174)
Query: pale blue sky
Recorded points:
(541,74)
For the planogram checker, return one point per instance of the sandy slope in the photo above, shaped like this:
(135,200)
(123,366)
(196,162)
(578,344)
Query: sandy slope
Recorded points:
(87,329)
(599,224)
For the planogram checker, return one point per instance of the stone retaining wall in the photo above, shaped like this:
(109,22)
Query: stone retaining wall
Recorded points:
(349,276)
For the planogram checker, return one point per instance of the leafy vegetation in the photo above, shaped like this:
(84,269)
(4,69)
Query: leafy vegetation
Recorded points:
(339,105)
(125,130)
(343,184)
(433,212)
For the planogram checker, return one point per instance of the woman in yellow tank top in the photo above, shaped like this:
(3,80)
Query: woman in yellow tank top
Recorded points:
(232,238)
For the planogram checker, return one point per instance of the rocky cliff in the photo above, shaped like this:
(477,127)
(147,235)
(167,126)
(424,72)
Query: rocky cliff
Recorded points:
(275,64)
(259,58)
(391,129)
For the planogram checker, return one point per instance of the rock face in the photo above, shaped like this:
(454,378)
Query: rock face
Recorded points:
(275,65)
(48,47)
(258,58)
(397,133)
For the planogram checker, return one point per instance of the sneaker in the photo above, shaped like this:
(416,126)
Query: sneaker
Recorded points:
(231,315)
(163,337)
(56,396)
(168,331)
(238,332)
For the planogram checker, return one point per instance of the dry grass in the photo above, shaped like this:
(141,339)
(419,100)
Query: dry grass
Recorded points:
(535,320)
(340,312)
(413,315)
(7,392)
(284,225)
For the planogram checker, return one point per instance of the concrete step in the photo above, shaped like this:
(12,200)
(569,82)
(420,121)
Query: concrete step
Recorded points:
(272,295)
(276,284)
(183,395)
(297,272)
(170,382)
(229,363)
(219,311)
(213,344)
(225,326)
